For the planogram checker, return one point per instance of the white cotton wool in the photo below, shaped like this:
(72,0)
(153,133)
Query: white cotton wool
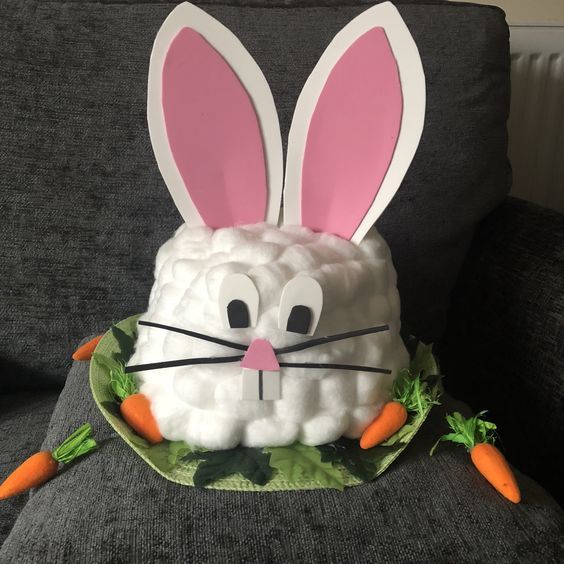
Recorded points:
(202,404)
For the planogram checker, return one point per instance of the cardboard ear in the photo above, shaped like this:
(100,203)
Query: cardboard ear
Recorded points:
(213,124)
(356,127)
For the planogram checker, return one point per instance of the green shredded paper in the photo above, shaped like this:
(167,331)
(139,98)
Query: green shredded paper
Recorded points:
(295,467)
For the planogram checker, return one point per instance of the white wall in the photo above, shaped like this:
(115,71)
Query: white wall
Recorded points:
(536,121)
(538,12)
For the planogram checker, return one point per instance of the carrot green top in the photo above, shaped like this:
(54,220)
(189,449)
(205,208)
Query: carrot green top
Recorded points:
(468,431)
(414,392)
(75,445)
(122,384)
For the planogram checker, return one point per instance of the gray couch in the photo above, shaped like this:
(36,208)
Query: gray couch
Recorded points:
(84,211)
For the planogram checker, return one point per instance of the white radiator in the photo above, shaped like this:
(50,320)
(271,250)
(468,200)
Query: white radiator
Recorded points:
(536,122)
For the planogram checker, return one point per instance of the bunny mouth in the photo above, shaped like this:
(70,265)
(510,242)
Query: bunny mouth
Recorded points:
(259,384)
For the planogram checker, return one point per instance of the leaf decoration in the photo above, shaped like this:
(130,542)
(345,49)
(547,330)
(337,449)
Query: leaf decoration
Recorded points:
(407,430)
(423,362)
(159,455)
(177,450)
(298,460)
(107,362)
(126,344)
(252,463)
(362,463)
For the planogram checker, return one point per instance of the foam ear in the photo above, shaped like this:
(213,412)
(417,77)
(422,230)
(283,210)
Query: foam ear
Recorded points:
(356,127)
(213,123)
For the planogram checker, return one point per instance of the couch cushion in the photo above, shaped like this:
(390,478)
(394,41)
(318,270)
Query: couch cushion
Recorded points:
(112,507)
(24,419)
(85,208)
(505,339)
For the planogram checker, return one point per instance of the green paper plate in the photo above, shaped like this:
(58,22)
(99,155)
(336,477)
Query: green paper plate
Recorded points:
(165,458)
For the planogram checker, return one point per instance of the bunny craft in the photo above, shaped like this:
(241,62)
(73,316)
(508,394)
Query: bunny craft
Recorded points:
(264,330)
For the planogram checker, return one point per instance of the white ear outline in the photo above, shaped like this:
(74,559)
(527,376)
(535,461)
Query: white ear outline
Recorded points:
(412,79)
(245,67)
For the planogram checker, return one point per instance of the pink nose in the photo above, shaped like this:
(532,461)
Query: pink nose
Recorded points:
(260,356)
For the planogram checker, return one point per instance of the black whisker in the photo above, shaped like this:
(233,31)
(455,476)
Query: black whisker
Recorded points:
(331,339)
(182,362)
(335,367)
(202,336)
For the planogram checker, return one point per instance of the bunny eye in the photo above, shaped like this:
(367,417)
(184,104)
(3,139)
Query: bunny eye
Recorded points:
(238,302)
(300,306)
(299,320)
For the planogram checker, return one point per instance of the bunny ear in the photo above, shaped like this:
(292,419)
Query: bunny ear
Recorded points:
(213,123)
(356,127)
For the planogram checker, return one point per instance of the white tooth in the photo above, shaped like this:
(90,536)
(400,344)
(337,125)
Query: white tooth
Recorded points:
(263,385)
(270,385)
(249,384)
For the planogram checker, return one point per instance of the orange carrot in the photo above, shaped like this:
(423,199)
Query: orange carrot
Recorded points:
(494,468)
(390,420)
(136,410)
(411,394)
(478,436)
(135,407)
(42,466)
(85,351)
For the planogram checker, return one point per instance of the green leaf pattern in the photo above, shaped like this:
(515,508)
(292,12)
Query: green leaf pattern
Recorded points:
(299,461)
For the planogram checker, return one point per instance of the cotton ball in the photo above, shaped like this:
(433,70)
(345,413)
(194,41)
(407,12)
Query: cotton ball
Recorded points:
(171,422)
(322,254)
(269,279)
(341,247)
(368,388)
(324,428)
(336,391)
(360,418)
(257,253)
(185,270)
(229,238)
(271,432)
(163,256)
(299,234)
(299,399)
(212,430)
(299,257)
(194,387)
(215,276)
(278,237)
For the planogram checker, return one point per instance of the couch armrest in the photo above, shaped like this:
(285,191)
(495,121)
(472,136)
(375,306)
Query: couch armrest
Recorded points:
(504,345)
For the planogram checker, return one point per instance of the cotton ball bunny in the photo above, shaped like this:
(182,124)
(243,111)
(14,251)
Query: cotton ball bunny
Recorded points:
(264,330)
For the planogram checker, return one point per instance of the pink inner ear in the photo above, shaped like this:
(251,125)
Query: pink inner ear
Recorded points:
(352,136)
(213,133)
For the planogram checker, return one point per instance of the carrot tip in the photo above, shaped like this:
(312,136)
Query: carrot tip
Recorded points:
(84,352)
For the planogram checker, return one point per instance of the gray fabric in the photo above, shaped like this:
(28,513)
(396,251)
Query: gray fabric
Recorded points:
(24,419)
(504,347)
(85,209)
(112,507)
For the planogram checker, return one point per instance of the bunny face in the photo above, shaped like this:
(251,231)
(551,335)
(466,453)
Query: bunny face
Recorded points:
(259,334)
(218,405)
